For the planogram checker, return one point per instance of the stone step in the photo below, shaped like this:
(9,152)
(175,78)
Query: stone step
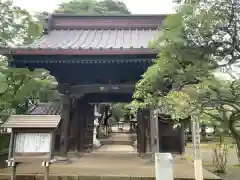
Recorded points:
(116,142)
(109,155)
(116,151)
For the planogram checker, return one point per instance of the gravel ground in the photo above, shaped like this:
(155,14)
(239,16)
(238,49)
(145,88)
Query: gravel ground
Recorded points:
(233,173)
(207,155)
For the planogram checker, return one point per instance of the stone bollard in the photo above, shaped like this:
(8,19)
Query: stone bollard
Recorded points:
(96,142)
(163,166)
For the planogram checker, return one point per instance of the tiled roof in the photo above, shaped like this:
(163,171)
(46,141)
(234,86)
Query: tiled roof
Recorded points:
(53,108)
(32,121)
(94,39)
(94,35)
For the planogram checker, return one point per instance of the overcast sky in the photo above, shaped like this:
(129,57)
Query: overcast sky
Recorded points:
(135,6)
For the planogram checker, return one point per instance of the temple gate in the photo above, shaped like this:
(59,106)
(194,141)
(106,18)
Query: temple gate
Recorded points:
(94,59)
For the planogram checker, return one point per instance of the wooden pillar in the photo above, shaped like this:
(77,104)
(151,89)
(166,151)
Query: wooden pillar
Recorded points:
(147,130)
(77,124)
(138,131)
(89,125)
(74,126)
(66,103)
(81,125)
(141,133)
(182,140)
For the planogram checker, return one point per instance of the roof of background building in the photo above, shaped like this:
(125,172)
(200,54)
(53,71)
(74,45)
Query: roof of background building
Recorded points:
(53,108)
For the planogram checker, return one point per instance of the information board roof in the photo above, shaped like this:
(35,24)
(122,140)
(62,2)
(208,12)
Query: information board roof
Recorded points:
(32,121)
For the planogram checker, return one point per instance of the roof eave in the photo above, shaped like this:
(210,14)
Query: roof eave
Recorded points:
(80,51)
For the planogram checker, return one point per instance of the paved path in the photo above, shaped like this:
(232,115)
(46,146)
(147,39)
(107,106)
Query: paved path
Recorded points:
(126,128)
(108,162)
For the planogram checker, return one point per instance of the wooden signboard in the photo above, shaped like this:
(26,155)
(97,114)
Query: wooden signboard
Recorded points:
(32,138)
(31,146)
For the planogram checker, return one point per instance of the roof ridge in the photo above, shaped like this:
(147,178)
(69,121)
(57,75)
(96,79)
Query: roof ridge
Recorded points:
(106,15)
(83,21)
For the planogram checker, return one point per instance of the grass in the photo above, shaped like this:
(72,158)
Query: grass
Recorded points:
(208,145)
(190,159)
(213,141)
(233,171)
(235,166)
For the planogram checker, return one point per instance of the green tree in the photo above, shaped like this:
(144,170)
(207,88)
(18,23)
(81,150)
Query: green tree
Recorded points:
(194,43)
(121,110)
(93,7)
(19,87)
(17,25)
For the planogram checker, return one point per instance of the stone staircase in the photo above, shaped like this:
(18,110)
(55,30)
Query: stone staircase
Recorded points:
(114,151)
(119,139)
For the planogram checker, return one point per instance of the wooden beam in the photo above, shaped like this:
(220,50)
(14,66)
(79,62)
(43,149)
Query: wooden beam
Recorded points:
(80,90)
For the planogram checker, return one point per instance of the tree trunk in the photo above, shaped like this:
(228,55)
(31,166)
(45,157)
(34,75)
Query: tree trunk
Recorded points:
(203,133)
(232,126)
(238,149)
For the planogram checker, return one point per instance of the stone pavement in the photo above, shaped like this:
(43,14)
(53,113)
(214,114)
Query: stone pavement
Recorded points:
(109,162)
(126,128)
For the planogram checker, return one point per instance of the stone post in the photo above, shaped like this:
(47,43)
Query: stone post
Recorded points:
(198,169)
(164,166)
(154,133)
(96,142)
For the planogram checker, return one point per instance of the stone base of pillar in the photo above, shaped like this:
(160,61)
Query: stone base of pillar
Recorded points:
(74,154)
(96,144)
(135,144)
(59,159)
(101,132)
